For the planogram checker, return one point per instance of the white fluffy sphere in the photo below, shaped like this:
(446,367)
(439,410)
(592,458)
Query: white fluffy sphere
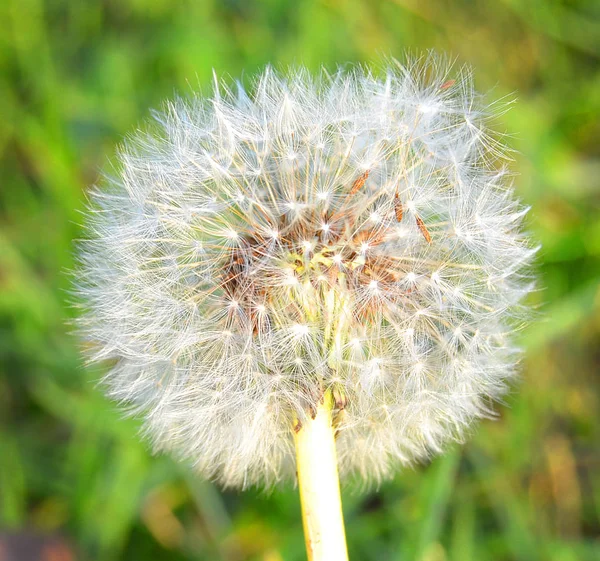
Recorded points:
(351,233)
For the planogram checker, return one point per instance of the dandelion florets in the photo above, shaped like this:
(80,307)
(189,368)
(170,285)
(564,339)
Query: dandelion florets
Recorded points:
(353,233)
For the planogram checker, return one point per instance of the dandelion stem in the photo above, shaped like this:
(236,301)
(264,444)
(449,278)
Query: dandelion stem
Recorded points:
(319,485)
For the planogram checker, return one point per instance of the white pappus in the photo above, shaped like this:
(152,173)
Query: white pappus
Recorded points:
(353,232)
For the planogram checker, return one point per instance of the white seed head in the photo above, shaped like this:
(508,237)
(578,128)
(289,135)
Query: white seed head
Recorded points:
(347,233)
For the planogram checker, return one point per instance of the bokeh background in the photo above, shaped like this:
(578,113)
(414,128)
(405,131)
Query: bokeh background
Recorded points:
(75,481)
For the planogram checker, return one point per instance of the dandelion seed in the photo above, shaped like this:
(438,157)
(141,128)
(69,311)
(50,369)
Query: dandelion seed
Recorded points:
(423,229)
(358,184)
(398,207)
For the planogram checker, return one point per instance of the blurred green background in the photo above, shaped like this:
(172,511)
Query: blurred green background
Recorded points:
(77,75)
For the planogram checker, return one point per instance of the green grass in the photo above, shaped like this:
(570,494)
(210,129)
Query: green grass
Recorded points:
(76,76)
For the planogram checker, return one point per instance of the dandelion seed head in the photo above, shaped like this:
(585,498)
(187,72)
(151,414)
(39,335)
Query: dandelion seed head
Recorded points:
(260,247)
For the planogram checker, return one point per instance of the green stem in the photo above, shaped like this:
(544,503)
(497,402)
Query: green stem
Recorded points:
(319,486)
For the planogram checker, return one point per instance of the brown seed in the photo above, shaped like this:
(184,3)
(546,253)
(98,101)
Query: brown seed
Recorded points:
(359,182)
(339,397)
(447,84)
(332,276)
(297,426)
(423,229)
(398,208)
(370,235)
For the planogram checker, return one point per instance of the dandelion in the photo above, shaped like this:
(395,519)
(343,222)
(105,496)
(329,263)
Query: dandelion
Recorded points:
(319,273)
